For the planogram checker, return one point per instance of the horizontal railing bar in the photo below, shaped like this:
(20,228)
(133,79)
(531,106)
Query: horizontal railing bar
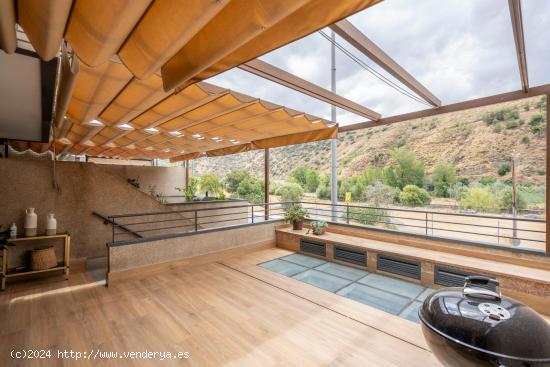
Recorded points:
(431,212)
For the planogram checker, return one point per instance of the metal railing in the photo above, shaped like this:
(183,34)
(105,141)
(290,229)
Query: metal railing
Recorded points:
(514,232)
(152,225)
(499,230)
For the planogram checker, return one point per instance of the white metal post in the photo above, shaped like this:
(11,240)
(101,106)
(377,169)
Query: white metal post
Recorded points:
(334,162)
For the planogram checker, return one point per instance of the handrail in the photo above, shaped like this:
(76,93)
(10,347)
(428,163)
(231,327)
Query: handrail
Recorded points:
(482,229)
(107,220)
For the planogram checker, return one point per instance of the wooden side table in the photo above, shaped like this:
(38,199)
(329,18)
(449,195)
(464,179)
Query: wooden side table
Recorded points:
(9,242)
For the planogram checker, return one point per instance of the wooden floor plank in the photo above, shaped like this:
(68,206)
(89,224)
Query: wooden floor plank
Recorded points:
(219,313)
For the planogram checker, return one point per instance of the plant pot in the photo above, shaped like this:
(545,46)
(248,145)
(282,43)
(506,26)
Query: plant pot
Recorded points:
(319,231)
(297,225)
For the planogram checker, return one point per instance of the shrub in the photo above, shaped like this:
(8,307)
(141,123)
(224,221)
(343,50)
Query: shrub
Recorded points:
(479,199)
(497,128)
(525,139)
(505,199)
(251,189)
(414,196)
(312,180)
(379,194)
(404,170)
(299,175)
(368,216)
(537,119)
(209,182)
(443,177)
(504,169)
(323,190)
(513,124)
(234,178)
(487,180)
(290,191)
(458,191)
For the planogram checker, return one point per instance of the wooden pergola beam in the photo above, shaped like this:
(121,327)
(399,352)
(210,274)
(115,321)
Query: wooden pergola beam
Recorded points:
(474,103)
(357,39)
(273,73)
(519,40)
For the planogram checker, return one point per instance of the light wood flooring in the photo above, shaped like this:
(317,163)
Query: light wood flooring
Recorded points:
(229,313)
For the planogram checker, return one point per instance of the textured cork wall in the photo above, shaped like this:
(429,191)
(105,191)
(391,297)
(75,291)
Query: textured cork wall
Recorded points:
(84,187)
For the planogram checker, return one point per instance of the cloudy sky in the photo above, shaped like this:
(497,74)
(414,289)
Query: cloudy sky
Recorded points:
(459,49)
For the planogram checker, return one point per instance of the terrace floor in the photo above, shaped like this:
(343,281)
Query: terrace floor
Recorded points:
(231,313)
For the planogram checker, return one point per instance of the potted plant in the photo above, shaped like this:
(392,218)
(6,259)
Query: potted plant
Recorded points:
(319,227)
(295,214)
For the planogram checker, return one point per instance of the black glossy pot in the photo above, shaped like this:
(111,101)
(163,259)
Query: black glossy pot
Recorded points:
(475,326)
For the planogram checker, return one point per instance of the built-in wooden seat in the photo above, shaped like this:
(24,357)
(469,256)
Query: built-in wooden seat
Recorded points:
(528,284)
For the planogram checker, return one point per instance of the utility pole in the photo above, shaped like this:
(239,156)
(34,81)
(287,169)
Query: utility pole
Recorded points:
(334,178)
(515,240)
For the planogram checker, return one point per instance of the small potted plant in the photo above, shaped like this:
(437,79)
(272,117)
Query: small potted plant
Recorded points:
(295,214)
(319,227)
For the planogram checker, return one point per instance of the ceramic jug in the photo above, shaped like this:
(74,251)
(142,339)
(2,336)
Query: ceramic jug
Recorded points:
(30,222)
(51,225)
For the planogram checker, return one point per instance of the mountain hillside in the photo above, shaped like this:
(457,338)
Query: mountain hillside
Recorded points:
(478,142)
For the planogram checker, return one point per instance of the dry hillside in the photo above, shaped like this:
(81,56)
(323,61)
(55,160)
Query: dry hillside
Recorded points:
(462,138)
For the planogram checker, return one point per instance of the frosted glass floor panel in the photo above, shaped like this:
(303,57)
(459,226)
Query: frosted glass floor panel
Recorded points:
(303,260)
(283,267)
(342,271)
(374,297)
(322,280)
(400,287)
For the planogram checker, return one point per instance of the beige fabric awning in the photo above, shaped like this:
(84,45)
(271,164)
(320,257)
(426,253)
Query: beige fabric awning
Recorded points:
(112,114)
(190,40)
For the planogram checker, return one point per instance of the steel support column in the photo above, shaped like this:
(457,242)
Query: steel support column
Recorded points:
(334,162)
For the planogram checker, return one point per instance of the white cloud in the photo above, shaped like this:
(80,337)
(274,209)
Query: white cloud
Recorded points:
(459,49)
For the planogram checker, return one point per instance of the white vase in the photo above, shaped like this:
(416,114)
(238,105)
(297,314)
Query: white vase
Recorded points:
(30,222)
(51,225)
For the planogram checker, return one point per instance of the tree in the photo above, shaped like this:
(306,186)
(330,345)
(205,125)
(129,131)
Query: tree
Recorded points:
(299,175)
(443,177)
(414,196)
(505,198)
(379,194)
(504,169)
(234,178)
(251,189)
(323,190)
(345,186)
(479,198)
(312,180)
(458,191)
(405,169)
(290,191)
(209,182)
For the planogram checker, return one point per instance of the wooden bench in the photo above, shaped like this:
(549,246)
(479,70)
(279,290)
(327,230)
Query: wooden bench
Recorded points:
(527,284)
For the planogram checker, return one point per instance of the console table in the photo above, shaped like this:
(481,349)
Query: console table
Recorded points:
(10,242)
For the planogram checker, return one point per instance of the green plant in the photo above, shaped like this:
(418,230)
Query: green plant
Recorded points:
(312,180)
(221,195)
(295,213)
(290,191)
(209,182)
(513,124)
(189,191)
(158,196)
(458,191)
(504,169)
(414,196)
(318,226)
(251,189)
(505,199)
(479,198)
(323,190)
(368,216)
(443,177)
(234,178)
(404,170)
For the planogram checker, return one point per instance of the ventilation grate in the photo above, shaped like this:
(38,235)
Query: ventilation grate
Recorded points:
(448,277)
(350,256)
(395,265)
(319,249)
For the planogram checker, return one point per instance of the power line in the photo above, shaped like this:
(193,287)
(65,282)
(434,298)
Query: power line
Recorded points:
(374,72)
